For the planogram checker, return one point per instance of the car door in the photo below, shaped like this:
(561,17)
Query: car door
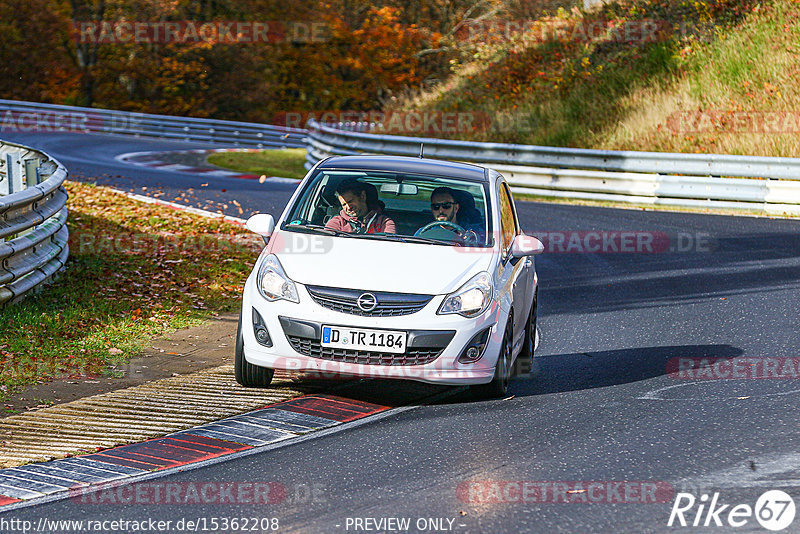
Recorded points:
(515,271)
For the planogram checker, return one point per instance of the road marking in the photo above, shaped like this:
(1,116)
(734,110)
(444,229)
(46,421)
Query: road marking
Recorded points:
(150,159)
(654,394)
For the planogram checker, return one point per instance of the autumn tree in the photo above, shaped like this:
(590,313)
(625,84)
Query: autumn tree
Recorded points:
(370,51)
(34,63)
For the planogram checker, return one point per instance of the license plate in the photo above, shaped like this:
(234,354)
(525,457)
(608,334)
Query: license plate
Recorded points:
(340,337)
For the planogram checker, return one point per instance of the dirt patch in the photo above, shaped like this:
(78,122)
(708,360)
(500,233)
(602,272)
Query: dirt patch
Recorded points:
(185,351)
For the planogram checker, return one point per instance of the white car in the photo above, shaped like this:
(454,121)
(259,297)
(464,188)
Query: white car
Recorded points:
(359,279)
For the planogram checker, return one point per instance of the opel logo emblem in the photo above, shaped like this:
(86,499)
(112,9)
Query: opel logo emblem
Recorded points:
(367,302)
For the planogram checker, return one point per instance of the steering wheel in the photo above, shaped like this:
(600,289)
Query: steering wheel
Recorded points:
(447,225)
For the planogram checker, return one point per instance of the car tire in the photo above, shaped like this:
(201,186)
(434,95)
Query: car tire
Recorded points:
(498,387)
(525,358)
(247,374)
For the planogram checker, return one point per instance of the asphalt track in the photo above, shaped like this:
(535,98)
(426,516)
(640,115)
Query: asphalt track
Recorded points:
(599,407)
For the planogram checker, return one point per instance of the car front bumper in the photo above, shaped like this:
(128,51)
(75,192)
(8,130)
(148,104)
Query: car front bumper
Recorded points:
(285,320)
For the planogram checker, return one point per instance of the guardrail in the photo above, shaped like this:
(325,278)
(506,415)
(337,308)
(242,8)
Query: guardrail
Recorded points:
(35,117)
(33,217)
(698,180)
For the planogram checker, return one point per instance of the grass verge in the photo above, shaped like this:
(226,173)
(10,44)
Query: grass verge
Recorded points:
(135,271)
(720,76)
(286,163)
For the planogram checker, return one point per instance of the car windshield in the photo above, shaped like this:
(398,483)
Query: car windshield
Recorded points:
(393,206)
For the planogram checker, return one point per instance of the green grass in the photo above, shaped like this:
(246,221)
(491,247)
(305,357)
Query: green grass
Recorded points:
(286,163)
(740,55)
(135,271)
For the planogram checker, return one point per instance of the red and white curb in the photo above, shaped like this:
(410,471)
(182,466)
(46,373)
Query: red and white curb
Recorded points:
(278,422)
(275,425)
(156,160)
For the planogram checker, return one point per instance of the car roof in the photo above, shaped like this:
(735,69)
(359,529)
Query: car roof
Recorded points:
(405,164)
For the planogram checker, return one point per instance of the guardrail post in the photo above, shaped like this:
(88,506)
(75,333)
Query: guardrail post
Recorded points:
(33,175)
(13,181)
(116,124)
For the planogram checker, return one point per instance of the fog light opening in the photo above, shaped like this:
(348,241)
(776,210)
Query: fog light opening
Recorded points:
(260,330)
(262,336)
(474,349)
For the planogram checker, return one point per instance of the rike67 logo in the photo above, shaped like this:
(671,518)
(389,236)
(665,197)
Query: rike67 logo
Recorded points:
(774,510)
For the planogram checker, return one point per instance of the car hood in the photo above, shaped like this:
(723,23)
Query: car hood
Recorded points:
(374,265)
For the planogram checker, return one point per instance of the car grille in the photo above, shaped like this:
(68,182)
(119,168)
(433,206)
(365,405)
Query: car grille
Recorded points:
(413,355)
(389,304)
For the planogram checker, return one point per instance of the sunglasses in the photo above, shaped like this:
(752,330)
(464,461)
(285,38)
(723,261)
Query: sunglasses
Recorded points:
(443,205)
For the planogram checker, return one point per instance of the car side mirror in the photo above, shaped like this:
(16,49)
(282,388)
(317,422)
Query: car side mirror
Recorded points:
(262,224)
(526,245)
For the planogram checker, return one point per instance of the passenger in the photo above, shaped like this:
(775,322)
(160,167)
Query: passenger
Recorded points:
(446,208)
(362,212)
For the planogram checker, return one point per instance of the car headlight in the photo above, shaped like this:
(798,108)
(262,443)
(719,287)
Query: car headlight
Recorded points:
(272,282)
(471,299)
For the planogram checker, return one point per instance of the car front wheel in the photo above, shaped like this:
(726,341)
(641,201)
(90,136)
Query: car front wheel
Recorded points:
(498,387)
(247,374)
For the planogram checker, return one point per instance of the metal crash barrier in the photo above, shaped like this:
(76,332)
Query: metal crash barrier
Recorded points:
(21,116)
(33,220)
(695,180)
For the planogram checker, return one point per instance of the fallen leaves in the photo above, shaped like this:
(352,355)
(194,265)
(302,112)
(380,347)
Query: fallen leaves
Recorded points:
(134,270)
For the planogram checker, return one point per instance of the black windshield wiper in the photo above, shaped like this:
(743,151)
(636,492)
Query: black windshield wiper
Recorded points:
(314,228)
(387,237)
(414,239)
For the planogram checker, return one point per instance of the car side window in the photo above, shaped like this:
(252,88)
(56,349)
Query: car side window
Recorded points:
(507,220)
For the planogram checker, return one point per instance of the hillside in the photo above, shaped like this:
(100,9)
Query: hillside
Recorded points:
(680,76)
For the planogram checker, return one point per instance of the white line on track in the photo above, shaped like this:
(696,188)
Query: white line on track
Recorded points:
(655,394)
(182,207)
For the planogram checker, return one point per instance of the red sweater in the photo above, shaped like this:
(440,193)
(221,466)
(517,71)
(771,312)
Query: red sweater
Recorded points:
(378,223)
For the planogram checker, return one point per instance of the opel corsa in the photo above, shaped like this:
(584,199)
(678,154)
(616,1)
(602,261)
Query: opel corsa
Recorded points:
(392,267)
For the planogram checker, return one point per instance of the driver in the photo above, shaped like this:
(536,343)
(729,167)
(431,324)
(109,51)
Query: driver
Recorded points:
(445,208)
(362,212)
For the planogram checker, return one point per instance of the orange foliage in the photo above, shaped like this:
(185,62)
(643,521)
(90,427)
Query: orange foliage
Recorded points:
(370,52)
